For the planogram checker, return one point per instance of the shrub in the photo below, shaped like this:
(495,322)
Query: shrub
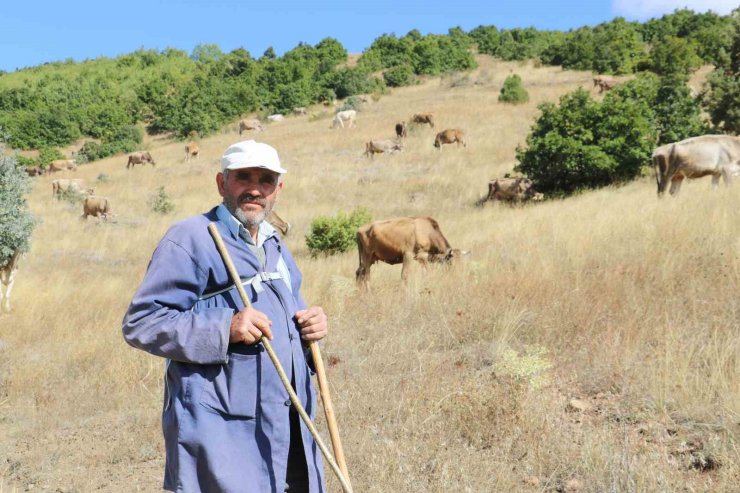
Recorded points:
(400,75)
(72,195)
(330,235)
(103,178)
(16,221)
(513,91)
(352,103)
(161,203)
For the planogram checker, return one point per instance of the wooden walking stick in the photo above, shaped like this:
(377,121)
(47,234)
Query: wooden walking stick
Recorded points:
(213,229)
(331,420)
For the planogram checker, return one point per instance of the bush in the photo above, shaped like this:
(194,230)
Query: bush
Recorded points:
(161,203)
(16,221)
(400,75)
(330,235)
(513,91)
(72,195)
(103,178)
(352,103)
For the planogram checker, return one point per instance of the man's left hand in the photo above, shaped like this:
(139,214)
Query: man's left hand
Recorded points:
(313,323)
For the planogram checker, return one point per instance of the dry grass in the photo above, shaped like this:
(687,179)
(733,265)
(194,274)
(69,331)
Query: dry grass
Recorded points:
(460,381)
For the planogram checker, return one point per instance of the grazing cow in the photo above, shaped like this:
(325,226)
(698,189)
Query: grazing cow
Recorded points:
(66,185)
(35,171)
(275,118)
(604,83)
(299,110)
(62,164)
(7,277)
(401,130)
(512,190)
(191,150)
(341,117)
(252,124)
(139,158)
(422,118)
(401,240)
(380,146)
(450,136)
(96,207)
(715,155)
(278,223)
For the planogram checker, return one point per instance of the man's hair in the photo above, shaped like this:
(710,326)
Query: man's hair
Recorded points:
(226,175)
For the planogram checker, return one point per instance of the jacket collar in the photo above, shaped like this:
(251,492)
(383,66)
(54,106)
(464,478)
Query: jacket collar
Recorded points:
(237,229)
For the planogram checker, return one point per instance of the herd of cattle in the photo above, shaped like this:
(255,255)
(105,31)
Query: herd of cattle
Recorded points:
(407,239)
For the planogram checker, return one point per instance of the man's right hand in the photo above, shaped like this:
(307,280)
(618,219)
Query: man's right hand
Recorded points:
(248,326)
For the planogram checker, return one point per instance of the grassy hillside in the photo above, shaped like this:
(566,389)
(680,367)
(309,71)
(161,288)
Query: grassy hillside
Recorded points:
(587,344)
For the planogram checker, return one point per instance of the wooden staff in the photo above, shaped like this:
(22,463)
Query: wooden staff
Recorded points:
(213,229)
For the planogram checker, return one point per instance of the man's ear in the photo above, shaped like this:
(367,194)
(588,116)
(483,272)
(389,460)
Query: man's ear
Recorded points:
(220,183)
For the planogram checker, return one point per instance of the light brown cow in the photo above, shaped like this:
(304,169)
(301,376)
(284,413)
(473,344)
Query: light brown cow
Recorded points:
(67,185)
(401,241)
(8,272)
(401,130)
(191,150)
(450,136)
(707,155)
(422,118)
(96,207)
(300,110)
(62,164)
(278,223)
(139,158)
(344,118)
(253,124)
(512,190)
(380,146)
(605,83)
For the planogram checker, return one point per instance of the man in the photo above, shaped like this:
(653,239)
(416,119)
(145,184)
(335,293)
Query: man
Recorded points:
(228,423)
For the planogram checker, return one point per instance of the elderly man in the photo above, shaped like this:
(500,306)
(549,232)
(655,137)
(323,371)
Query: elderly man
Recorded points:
(228,422)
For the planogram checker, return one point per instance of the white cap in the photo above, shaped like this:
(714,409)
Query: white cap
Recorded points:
(251,154)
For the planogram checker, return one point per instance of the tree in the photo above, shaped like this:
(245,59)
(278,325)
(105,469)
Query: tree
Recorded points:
(722,96)
(513,91)
(675,57)
(16,221)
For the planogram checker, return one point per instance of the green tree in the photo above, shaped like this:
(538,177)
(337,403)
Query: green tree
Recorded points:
(722,96)
(513,91)
(675,57)
(16,221)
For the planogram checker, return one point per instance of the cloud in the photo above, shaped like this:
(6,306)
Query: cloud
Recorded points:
(644,9)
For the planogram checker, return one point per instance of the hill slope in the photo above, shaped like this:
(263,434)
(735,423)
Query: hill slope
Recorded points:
(462,381)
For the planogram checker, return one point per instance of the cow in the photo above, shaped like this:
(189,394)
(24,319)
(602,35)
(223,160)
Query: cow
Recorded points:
(278,223)
(715,155)
(401,130)
(450,136)
(512,190)
(380,146)
(139,158)
(341,117)
(252,124)
(275,118)
(62,164)
(191,149)
(8,271)
(299,110)
(401,240)
(35,171)
(422,118)
(96,207)
(604,83)
(66,185)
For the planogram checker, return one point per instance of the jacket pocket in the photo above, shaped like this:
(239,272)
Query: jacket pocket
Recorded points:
(234,388)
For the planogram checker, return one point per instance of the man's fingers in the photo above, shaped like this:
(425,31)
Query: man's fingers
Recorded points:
(267,332)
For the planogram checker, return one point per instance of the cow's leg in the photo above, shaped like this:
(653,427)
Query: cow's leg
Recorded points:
(676,184)
(408,260)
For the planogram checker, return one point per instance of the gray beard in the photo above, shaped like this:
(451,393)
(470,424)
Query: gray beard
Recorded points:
(249,221)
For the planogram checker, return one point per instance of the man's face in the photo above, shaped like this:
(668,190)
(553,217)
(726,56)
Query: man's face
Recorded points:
(249,193)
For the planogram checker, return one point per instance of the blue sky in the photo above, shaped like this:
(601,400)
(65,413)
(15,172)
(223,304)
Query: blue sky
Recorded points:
(43,31)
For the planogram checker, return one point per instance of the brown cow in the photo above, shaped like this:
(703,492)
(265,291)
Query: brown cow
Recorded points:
(605,83)
(278,223)
(191,150)
(66,185)
(401,130)
(139,158)
(512,190)
(62,164)
(380,146)
(401,240)
(422,118)
(35,171)
(96,207)
(7,277)
(450,136)
(253,124)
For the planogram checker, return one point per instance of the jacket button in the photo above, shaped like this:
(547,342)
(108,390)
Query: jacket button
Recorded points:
(288,403)
(291,336)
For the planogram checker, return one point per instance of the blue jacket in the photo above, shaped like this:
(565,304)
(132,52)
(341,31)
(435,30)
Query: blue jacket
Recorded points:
(226,412)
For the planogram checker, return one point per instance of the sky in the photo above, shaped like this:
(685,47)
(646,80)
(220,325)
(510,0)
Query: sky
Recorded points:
(45,31)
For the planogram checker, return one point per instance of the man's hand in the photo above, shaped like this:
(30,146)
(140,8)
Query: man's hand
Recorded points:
(248,326)
(313,323)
